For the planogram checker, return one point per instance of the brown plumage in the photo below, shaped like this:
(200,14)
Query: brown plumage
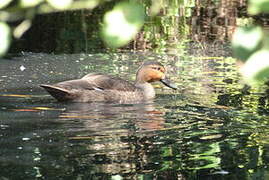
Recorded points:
(104,88)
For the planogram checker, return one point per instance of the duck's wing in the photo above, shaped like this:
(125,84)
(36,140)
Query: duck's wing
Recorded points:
(61,94)
(106,82)
(72,89)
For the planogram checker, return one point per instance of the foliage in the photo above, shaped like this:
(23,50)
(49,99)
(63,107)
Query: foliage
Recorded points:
(250,45)
(4,38)
(120,25)
(169,32)
(258,6)
(103,23)
(246,41)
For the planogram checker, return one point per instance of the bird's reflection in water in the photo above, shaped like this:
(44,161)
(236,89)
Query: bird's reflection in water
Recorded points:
(102,117)
(116,138)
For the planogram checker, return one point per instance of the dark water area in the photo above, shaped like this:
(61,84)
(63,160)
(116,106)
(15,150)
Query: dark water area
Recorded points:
(212,127)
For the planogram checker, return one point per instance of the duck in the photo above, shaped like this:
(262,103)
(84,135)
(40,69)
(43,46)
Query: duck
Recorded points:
(98,87)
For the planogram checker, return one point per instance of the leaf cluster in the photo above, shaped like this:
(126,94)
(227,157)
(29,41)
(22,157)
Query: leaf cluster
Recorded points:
(251,46)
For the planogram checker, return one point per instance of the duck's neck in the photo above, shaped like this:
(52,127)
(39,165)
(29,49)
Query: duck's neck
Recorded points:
(146,88)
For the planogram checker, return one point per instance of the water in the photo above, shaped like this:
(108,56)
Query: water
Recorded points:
(213,127)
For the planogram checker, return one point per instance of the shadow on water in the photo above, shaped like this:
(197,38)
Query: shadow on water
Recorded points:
(212,128)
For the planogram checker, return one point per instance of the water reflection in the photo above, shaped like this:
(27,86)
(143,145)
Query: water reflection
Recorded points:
(120,139)
(99,117)
(110,133)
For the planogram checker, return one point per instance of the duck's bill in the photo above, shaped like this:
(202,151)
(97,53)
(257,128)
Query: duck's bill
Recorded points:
(168,83)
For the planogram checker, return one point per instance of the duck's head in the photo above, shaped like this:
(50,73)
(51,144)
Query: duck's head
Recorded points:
(152,71)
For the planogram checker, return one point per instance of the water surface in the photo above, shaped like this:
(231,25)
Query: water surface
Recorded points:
(213,127)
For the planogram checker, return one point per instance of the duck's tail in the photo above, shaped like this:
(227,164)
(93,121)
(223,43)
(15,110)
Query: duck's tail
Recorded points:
(58,93)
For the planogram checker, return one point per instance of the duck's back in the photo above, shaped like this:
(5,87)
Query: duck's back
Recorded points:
(107,82)
(95,87)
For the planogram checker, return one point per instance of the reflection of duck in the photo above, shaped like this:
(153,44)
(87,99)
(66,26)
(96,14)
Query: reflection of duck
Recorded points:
(106,116)
(100,87)
(112,137)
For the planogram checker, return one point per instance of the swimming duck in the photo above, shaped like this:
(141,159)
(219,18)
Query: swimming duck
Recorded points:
(97,87)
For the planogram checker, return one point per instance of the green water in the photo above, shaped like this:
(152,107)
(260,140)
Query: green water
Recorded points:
(213,127)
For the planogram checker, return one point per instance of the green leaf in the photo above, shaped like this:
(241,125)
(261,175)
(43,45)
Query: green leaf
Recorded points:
(60,4)
(246,40)
(258,6)
(29,3)
(256,69)
(4,3)
(116,177)
(122,23)
(5,37)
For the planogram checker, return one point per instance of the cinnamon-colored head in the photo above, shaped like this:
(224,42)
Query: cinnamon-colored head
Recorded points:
(152,71)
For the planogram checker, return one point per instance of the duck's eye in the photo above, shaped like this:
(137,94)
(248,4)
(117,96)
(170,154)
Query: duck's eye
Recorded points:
(157,68)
